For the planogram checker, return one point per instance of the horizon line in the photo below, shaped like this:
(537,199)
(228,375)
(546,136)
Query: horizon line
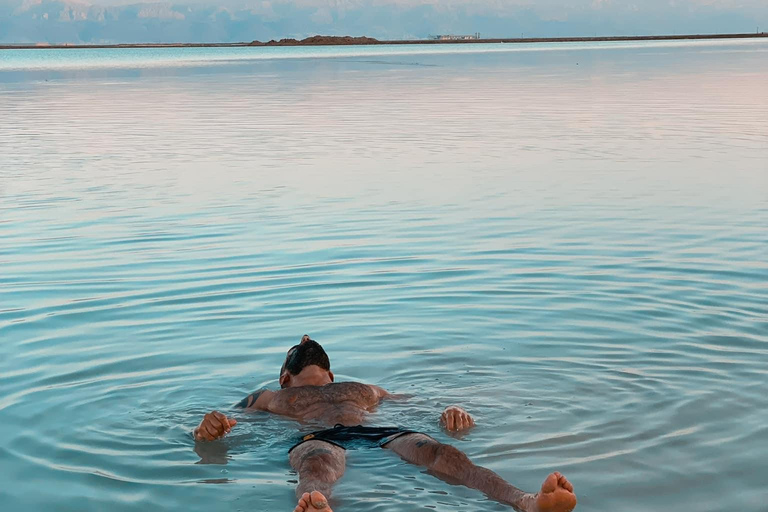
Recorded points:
(320,40)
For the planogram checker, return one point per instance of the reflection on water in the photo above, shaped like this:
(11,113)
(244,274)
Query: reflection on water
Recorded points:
(569,243)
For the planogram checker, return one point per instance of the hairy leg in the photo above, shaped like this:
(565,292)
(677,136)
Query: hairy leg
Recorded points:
(319,465)
(454,466)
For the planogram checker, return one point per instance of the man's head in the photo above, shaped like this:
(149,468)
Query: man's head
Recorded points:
(306,364)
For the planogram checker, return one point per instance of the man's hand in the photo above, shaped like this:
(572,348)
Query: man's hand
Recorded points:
(455,418)
(214,426)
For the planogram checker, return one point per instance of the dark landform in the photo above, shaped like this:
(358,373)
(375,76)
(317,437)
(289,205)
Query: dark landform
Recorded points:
(367,41)
(321,41)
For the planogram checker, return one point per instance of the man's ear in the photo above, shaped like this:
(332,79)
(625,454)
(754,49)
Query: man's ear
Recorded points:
(330,373)
(285,380)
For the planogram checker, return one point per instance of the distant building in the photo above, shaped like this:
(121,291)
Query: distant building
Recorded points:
(453,37)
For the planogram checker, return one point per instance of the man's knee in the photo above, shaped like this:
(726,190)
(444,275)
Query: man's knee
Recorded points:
(415,448)
(450,460)
(319,459)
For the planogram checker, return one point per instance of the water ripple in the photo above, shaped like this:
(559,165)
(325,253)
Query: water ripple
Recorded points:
(581,267)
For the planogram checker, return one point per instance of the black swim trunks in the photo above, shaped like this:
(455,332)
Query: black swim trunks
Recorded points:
(355,437)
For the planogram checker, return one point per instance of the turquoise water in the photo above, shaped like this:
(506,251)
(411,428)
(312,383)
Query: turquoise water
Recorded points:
(570,241)
(143,58)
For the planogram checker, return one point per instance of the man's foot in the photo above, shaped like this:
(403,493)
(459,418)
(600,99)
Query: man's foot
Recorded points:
(556,495)
(312,503)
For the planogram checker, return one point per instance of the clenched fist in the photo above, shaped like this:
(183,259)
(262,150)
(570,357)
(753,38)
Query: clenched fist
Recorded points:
(214,426)
(455,418)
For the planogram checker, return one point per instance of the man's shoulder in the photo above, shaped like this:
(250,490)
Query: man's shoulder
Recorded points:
(257,400)
(351,385)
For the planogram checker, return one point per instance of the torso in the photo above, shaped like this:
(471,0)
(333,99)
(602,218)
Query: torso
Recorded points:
(347,403)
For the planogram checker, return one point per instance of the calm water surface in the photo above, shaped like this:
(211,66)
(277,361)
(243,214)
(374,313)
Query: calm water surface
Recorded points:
(569,241)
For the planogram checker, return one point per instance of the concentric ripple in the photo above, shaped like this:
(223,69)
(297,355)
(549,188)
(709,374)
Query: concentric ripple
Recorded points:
(577,254)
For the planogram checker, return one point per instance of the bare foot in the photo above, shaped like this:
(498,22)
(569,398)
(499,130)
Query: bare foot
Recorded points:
(312,503)
(556,495)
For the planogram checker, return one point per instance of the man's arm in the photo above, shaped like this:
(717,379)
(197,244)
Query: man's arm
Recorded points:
(216,425)
(454,418)
(257,401)
(386,395)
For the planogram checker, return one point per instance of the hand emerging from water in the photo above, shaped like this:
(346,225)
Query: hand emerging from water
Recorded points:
(214,426)
(455,418)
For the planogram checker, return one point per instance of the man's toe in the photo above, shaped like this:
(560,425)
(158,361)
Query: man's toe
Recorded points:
(303,503)
(550,484)
(318,500)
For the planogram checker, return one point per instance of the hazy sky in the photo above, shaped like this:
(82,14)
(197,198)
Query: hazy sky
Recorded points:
(501,5)
(485,5)
(246,20)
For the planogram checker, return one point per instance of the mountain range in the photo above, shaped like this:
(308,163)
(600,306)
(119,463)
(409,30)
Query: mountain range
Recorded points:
(113,21)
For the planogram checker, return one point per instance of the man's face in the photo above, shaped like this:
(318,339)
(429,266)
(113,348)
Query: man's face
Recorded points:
(306,364)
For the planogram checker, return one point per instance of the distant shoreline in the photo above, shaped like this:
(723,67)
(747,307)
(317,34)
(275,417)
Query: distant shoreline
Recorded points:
(367,41)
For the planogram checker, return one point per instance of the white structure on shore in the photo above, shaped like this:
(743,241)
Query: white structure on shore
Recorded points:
(452,37)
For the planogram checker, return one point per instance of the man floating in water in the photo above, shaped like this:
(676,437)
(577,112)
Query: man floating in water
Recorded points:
(309,394)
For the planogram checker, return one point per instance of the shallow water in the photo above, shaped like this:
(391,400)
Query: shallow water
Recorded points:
(571,243)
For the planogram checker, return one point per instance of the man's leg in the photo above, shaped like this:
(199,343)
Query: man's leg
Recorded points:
(453,465)
(319,465)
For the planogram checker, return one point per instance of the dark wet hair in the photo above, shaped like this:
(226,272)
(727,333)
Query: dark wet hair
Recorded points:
(305,354)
